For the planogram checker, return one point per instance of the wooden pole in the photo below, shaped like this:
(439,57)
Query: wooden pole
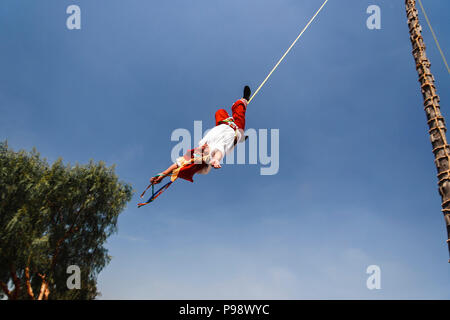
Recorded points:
(436,122)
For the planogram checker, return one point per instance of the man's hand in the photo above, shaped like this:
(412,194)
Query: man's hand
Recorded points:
(157,179)
(215,163)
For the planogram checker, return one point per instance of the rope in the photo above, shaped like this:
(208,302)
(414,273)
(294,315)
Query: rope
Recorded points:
(154,194)
(434,36)
(287,51)
(157,193)
(173,175)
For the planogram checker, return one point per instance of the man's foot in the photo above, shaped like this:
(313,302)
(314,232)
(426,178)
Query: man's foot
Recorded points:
(247,93)
(215,163)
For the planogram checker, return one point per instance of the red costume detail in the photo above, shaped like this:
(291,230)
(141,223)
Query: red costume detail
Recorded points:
(238,109)
(188,171)
(221,115)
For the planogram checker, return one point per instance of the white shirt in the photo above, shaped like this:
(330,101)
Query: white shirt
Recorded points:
(221,138)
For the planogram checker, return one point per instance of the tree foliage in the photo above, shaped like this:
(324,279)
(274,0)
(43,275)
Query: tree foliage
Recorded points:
(51,217)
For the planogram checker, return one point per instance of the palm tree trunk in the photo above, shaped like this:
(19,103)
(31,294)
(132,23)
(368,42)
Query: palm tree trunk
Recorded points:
(436,121)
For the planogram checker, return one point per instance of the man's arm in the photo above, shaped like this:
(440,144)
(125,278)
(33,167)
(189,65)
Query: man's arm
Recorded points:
(157,179)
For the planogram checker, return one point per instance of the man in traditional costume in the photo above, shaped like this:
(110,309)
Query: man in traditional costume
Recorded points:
(218,142)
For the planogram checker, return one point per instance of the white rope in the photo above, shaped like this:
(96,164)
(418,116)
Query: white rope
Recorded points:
(287,51)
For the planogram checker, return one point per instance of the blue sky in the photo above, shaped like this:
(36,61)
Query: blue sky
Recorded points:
(357,184)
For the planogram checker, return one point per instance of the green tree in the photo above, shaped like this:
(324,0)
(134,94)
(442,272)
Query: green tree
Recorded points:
(51,217)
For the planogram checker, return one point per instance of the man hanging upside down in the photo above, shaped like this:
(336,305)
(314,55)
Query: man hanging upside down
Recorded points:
(218,142)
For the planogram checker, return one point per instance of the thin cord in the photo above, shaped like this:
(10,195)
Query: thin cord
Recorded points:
(434,36)
(287,51)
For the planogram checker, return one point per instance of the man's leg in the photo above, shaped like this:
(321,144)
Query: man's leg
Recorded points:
(221,115)
(238,109)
